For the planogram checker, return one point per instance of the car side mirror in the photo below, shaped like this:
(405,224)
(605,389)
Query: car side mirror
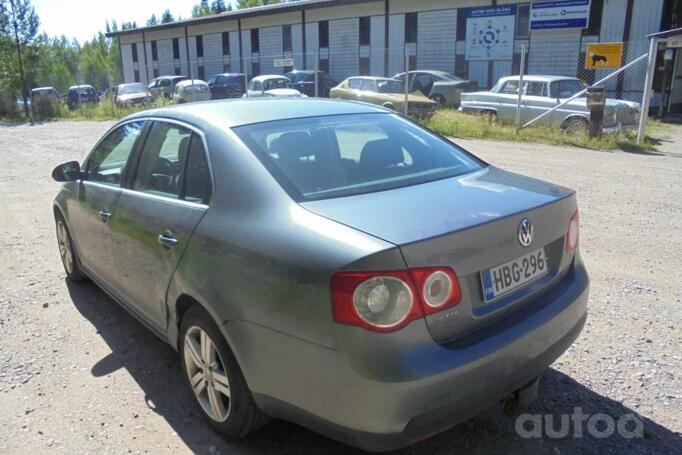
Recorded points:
(67,172)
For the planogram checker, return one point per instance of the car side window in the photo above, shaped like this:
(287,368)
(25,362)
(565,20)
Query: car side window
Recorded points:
(108,161)
(164,83)
(511,87)
(257,86)
(536,89)
(162,160)
(367,85)
(355,83)
(197,181)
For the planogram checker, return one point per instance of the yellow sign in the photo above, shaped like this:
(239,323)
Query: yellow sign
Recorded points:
(603,55)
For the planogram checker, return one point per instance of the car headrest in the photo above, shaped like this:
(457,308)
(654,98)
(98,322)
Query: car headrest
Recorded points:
(379,154)
(292,146)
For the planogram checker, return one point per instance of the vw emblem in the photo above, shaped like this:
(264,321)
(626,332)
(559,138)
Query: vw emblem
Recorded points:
(525,232)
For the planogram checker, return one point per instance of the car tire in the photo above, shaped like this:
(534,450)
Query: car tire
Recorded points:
(214,377)
(440,99)
(67,252)
(575,125)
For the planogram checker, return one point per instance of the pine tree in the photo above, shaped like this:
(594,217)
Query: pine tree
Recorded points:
(167,17)
(152,20)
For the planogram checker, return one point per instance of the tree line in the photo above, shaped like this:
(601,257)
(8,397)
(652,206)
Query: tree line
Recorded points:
(30,59)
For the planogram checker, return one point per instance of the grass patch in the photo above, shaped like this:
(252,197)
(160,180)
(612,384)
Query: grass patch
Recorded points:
(449,122)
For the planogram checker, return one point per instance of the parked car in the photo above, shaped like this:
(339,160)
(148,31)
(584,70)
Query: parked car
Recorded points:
(191,90)
(304,82)
(45,101)
(439,86)
(227,85)
(164,85)
(541,93)
(131,94)
(271,85)
(327,262)
(81,94)
(384,92)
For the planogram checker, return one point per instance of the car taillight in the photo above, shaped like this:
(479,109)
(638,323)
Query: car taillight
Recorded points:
(388,301)
(573,233)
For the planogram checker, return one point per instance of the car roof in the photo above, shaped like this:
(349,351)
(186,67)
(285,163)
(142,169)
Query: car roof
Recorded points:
(539,78)
(74,87)
(185,82)
(265,77)
(237,112)
(39,89)
(229,74)
(373,78)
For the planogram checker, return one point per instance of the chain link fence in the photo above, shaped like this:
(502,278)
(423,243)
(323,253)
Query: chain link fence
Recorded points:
(440,77)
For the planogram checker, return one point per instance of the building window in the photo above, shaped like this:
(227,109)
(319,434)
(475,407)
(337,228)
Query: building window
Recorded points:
(200,46)
(411,27)
(594,23)
(177,71)
(226,67)
(286,38)
(364,66)
(176,48)
(364,31)
(255,40)
(324,65)
(323,31)
(516,64)
(155,72)
(134,47)
(155,51)
(202,73)
(522,21)
(461,24)
(136,76)
(412,61)
(226,43)
(256,68)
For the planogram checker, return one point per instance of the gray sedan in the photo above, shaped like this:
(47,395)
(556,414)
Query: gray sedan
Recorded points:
(443,88)
(326,262)
(540,94)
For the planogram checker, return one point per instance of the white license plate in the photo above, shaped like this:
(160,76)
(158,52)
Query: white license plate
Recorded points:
(513,274)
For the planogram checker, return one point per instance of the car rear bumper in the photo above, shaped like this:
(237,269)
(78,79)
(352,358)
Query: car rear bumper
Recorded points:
(384,393)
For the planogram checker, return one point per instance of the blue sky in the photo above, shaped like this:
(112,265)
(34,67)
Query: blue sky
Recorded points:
(81,19)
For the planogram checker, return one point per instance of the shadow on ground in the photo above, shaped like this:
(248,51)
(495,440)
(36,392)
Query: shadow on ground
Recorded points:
(155,367)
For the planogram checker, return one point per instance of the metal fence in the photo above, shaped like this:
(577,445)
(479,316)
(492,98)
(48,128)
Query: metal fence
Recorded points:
(447,75)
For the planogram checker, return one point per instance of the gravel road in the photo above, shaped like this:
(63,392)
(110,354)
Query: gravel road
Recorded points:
(79,375)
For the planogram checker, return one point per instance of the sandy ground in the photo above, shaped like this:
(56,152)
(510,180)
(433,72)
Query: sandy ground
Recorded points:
(79,375)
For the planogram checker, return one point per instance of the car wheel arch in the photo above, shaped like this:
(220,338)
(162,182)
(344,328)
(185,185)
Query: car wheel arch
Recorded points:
(573,118)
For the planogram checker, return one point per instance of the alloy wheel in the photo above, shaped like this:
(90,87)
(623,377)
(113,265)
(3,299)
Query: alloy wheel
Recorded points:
(65,250)
(207,374)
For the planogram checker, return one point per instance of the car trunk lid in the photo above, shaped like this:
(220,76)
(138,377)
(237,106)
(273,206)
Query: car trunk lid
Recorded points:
(469,223)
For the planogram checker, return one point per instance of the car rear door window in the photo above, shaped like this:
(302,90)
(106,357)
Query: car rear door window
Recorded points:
(367,85)
(108,161)
(162,161)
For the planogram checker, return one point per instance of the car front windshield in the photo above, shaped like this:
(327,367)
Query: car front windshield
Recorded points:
(301,77)
(390,86)
(272,84)
(129,89)
(341,155)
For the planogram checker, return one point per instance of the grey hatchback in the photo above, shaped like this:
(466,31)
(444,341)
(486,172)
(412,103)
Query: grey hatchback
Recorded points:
(329,263)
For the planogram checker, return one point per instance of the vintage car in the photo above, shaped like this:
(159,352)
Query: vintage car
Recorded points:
(304,82)
(384,92)
(164,85)
(81,94)
(541,93)
(191,90)
(226,85)
(271,85)
(439,86)
(126,95)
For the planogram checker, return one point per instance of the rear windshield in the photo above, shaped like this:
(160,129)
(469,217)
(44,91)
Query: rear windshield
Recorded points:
(129,89)
(335,156)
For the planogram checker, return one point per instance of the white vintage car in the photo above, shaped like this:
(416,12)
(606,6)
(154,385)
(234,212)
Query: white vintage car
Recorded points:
(271,85)
(191,90)
(541,93)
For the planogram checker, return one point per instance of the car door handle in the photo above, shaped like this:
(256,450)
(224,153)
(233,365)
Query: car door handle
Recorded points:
(167,240)
(104,215)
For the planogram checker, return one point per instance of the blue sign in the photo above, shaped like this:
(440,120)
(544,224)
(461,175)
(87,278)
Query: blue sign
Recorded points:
(559,14)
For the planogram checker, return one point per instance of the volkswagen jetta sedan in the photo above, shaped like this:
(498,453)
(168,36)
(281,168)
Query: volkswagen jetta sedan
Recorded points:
(326,262)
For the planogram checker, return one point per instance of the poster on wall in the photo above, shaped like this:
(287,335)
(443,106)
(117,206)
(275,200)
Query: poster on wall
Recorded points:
(490,33)
(559,14)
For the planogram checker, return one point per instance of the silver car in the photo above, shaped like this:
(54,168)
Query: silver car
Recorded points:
(541,93)
(440,86)
(327,262)
(271,85)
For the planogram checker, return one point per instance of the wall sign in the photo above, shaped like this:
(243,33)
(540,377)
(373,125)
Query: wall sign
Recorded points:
(490,33)
(603,55)
(559,14)
(282,62)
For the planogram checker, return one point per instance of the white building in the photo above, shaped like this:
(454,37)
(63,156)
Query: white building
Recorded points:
(350,37)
